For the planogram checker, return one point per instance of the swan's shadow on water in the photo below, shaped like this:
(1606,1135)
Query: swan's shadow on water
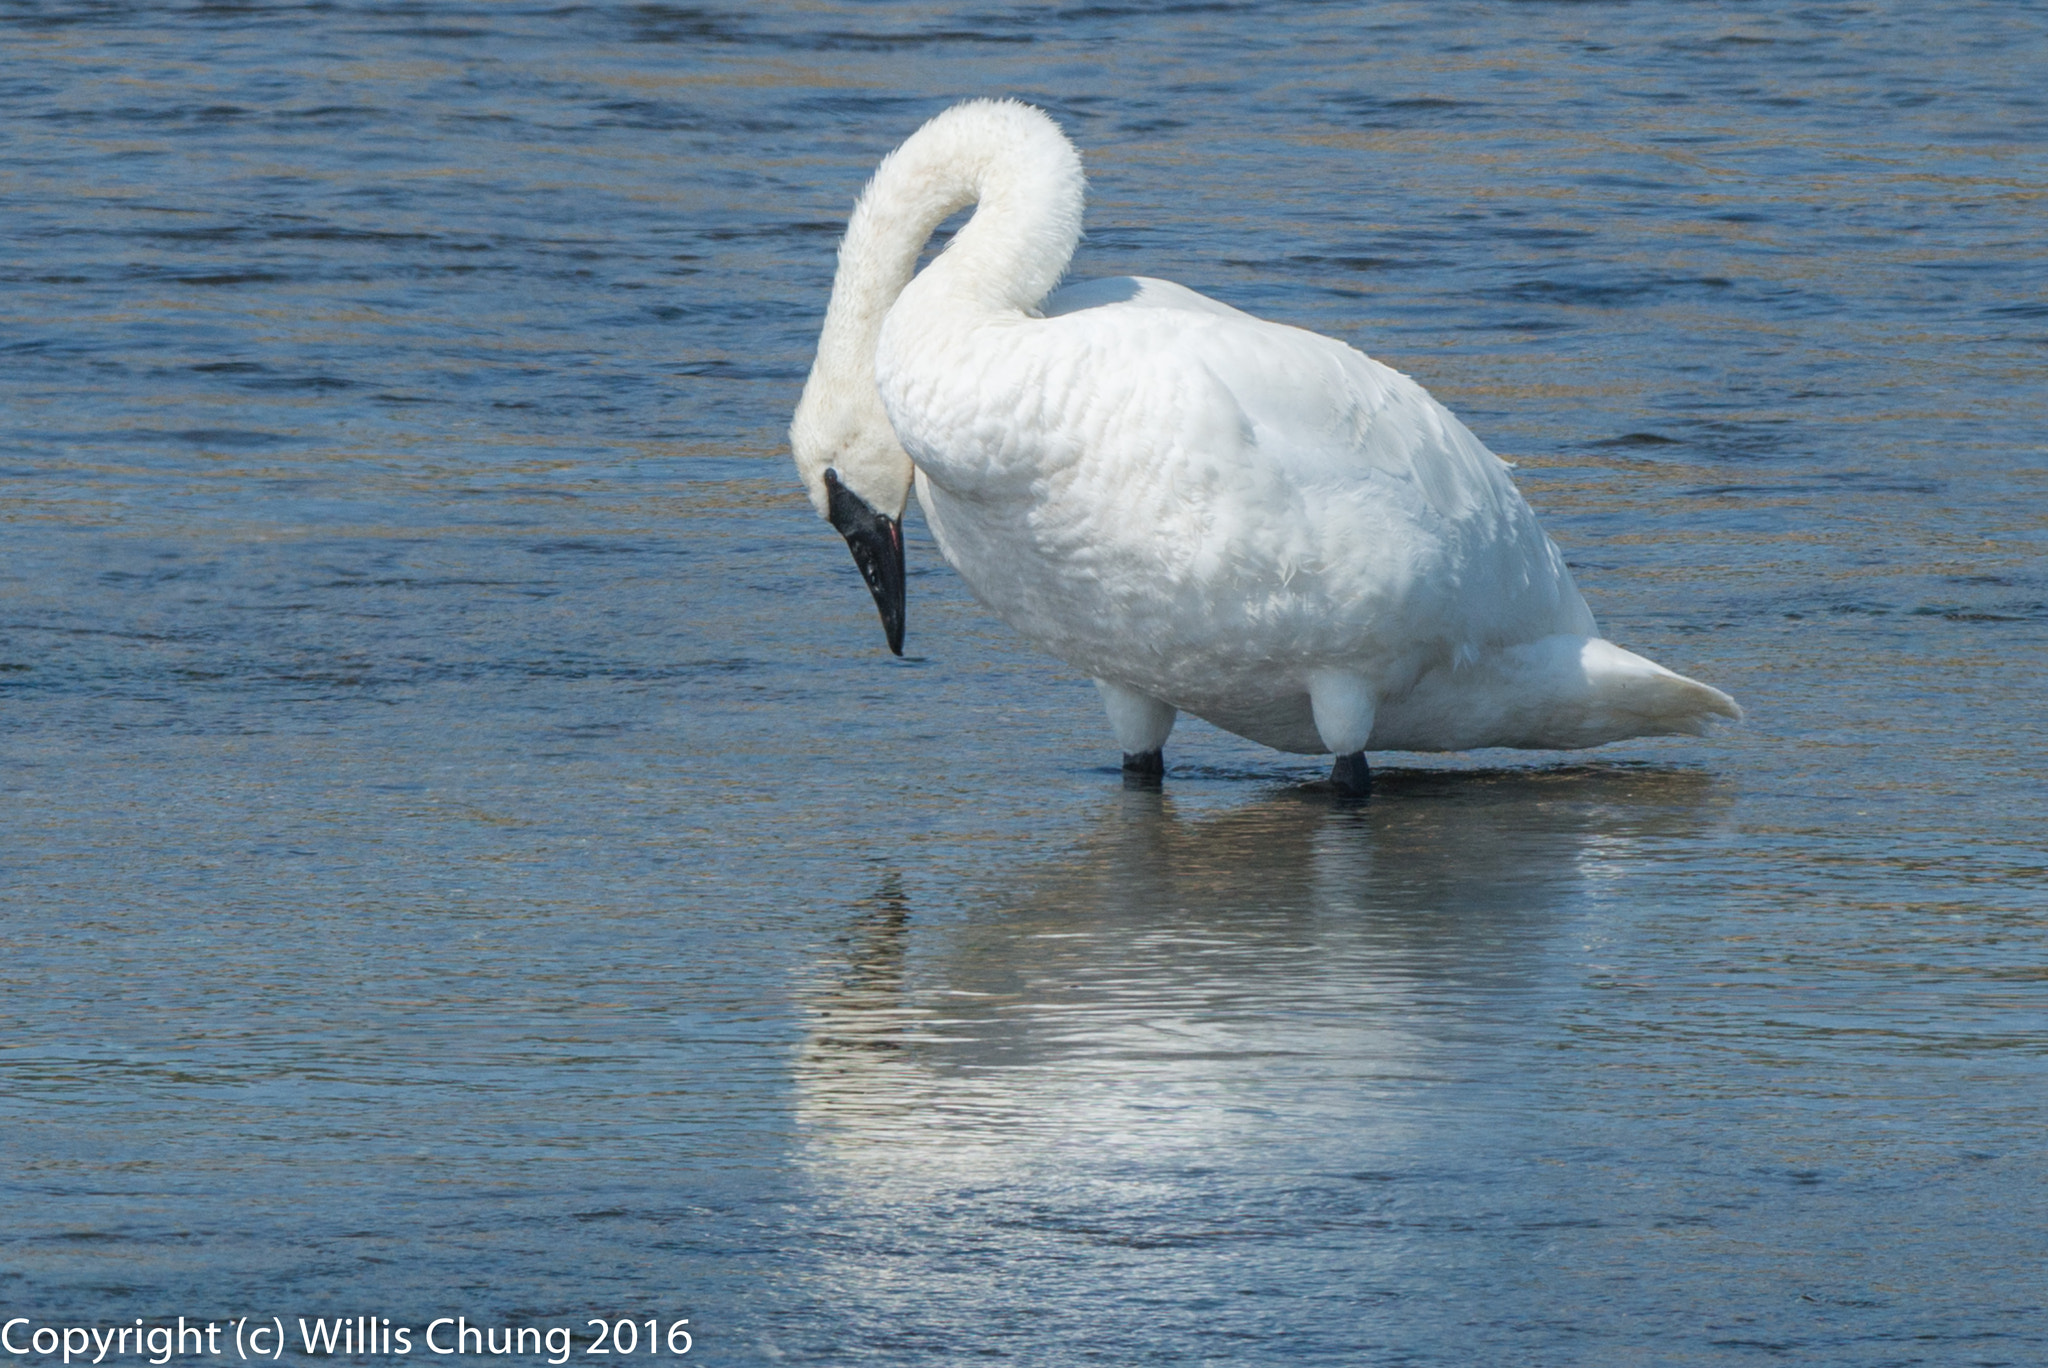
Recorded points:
(1441,782)
(1181,946)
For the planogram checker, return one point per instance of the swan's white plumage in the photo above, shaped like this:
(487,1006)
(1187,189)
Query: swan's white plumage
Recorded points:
(1242,520)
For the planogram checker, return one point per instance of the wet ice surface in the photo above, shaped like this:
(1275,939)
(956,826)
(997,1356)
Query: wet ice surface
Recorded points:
(468,852)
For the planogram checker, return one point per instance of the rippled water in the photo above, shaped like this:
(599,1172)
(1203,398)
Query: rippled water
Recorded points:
(467,850)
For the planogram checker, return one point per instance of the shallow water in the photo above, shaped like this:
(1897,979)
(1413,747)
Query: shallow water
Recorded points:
(468,852)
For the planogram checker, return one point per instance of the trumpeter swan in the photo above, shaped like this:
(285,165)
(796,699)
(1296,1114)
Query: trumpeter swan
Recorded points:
(1203,511)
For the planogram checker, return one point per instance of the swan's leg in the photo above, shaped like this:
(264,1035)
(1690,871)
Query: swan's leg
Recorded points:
(1145,769)
(1344,706)
(1351,775)
(1142,724)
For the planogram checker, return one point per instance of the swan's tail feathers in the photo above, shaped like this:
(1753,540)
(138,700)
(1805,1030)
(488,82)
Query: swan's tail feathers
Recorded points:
(1626,695)
(1565,692)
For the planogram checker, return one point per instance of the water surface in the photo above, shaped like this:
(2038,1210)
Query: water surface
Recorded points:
(467,850)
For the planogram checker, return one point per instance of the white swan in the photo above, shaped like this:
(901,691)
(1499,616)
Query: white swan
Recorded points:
(1202,510)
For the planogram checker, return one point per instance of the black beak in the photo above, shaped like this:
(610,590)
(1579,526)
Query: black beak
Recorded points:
(877,546)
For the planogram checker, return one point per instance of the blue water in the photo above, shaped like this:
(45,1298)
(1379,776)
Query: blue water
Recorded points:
(467,850)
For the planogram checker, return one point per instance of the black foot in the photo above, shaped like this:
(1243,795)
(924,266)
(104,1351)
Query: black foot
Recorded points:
(1145,770)
(1352,776)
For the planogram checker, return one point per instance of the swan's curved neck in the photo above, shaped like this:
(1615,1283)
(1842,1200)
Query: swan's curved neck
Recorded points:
(1025,177)
(1009,160)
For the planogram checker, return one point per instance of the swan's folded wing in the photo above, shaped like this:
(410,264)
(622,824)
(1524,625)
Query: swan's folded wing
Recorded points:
(1345,467)
(1331,416)
(1312,410)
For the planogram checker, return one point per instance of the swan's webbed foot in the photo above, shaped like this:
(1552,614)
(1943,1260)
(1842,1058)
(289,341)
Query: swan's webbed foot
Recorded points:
(1146,769)
(1352,776)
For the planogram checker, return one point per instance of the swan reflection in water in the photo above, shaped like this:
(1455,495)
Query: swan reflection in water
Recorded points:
(1192,982)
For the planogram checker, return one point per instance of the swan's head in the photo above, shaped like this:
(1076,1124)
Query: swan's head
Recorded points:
(858,478)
